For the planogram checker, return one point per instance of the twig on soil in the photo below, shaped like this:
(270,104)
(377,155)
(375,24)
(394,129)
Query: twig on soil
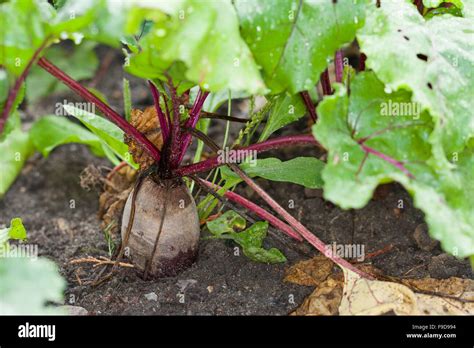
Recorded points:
(76,273)
(371,255)
(414,268)
(379,252)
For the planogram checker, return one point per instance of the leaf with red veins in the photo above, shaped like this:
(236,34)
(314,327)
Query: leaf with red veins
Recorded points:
(374,137)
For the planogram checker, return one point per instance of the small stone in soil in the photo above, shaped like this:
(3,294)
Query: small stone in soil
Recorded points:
(151,296)
(74,310)
(183,284)
(422,238)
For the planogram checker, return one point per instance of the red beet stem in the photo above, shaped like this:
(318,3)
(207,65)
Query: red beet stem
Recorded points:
(16,87)
(106,110)
(259,211)
(271,144)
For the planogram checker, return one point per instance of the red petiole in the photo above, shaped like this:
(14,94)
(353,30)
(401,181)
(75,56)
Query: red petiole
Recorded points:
(161,117)
(106,110)
(271,144)
(192,122)
(339,66)
(259,211)
(16,87)
(309,105)
(326,83)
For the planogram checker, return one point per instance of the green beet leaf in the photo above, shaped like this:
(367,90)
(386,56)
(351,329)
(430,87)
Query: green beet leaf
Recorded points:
(228,222)
(51,131)
(305,171)
(27,285)
(285,110)
(27,24)
(198,43)
(16,231)
(293,41)
(110,134)
(251,239)
(16,148)
(376,137)
(432,58)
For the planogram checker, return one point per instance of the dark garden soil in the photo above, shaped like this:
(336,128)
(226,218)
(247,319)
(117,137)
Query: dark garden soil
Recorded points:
(61,217)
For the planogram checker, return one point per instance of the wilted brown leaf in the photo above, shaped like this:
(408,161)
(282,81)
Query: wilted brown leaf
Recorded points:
(443,296)
(374,297)
(310,272)
(458,287)
(318,272)
(146,122)
(349,294)
(111,202)
(325,299)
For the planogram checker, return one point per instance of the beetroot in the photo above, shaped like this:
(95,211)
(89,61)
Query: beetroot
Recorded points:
(168,206)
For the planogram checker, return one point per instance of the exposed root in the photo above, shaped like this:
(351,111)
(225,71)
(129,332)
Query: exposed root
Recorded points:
(101,260)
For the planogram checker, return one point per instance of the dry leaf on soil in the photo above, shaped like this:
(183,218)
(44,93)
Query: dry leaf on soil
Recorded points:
(310,272)
(146,122)
(325,299)
(352,295)
(112,200)
(319,272)
(374,297)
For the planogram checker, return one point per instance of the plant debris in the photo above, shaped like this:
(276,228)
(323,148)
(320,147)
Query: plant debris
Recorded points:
(146,122)
(374,297)
(112,201)
(310,272)
(347,293)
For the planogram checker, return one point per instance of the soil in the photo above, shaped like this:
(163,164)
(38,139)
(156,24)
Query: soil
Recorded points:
(61,217)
